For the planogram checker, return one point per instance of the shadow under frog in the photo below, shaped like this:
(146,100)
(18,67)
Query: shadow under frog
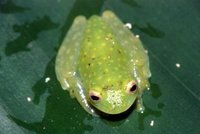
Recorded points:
(155,93)
(8,6)
(62,113)
(28,32)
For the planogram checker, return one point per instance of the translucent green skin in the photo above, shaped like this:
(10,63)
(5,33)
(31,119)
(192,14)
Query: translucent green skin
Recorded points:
(101,56)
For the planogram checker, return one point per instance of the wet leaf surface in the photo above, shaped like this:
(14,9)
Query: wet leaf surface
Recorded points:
(31,99)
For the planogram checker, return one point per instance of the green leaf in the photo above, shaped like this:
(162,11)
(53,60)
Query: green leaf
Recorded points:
(31,99)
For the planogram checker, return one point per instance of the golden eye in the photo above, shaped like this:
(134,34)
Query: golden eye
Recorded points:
(132,86)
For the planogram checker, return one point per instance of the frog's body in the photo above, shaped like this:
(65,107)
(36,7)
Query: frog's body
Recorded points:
(103,64)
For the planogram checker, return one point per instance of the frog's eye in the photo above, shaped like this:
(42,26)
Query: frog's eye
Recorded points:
(132,86)
(95,96)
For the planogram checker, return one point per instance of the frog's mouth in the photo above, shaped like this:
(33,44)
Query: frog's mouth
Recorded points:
(115,116)
(114,103)
(114,100)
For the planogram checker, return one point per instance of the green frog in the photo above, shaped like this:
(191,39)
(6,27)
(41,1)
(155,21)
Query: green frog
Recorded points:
(103,65)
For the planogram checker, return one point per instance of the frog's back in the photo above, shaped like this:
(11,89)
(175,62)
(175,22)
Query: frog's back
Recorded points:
(101,54)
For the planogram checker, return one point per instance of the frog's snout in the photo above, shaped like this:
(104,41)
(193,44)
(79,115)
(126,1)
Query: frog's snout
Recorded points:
(115,98)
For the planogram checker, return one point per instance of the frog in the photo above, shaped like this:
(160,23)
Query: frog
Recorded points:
(103,65)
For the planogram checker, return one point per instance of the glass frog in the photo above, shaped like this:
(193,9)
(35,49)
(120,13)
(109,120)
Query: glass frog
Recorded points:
(103,65)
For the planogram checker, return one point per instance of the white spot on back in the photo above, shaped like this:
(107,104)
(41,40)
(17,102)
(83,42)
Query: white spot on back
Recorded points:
(132,60)
(71,57)
(76,44)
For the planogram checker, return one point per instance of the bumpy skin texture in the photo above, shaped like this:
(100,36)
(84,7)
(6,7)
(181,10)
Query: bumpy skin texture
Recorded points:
(100,57)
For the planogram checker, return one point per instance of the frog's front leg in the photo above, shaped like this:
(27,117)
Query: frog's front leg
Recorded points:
(143,83)
(67,62)
(68,54)
(80,94)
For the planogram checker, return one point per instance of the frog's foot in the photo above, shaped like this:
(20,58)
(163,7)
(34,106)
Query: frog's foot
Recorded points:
(84,103)
(87,107)
(139,105)
(108,14)
(80,94)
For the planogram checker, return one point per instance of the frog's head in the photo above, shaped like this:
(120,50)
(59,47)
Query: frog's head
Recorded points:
(114,99)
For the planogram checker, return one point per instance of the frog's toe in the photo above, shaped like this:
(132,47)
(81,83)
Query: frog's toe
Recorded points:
(139,106)
(80,19)
(108,14)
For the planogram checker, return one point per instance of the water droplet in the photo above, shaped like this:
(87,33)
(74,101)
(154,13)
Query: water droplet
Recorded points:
(47,79)
(128,25)
(137,36)
(29,99)
(152,123)
(178,65)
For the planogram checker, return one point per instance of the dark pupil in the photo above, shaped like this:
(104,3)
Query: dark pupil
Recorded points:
(93,97)
(133,88)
